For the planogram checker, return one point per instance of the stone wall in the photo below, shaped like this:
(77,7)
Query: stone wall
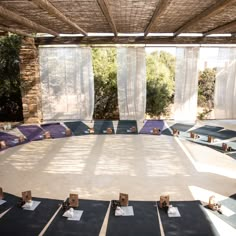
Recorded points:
(30,81)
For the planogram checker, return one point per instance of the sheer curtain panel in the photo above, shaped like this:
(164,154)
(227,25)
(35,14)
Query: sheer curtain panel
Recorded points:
(186,83)
(67,83)
(225,86)
(131,80)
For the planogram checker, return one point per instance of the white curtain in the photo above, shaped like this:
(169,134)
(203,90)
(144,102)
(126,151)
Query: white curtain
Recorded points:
(67,83)
(131,80)
(225,86)
(186,83)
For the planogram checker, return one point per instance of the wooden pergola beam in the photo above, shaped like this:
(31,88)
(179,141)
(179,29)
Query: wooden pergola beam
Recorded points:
(14,31)
(107,13)
(221,28)
(47,6)
(213,10)
(5,13)
(134,40)
(161,6)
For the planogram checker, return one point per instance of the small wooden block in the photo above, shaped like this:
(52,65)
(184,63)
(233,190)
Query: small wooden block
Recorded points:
(133,129)
(194,136)
(47,135)
(68,132)
(164,201)
(1,194)
(156,131)
(109,130)
(124,199)
(26,196)
(175,132)
(3,144)
(74,200)
(21,139)
(91,131)
(224,147)
(210,139)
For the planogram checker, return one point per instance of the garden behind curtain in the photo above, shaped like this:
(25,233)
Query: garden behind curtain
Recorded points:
(186,83)
(67,83)
(225,86)
(131,80)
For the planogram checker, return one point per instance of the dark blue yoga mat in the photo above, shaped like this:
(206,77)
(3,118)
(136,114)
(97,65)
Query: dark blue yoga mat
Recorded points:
(77,127)
(11,200)
(56,130)
(90,223)
(10,140)
(233,155)
(150,124)
(23,222)
(215,131)
(31,132)
(181,127)
(100,126)
(124,126)
(193,221)
(227,134)
(144,222)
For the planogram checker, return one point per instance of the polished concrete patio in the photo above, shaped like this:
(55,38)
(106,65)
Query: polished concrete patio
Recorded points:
(101,166)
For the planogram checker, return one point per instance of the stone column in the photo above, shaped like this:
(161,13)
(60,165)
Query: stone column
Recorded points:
(30,81)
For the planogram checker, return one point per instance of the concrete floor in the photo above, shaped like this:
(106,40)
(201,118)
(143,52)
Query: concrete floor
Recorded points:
(101,166)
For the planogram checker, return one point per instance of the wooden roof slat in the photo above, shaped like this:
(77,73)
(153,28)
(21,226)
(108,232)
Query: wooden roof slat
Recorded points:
(161,6)
(107,13)
(24,21)
(15,31)
(47,6)
(214,9)
(221,28)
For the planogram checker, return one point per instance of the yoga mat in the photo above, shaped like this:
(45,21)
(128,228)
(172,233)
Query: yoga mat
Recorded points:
(90,223)
(124,125)
(77,127)
(144,222)
(56,130)
(11,200)
(101,125)
(227,134)
(11,140)
(193,221)
(150,124)
(23,222)
(215,132)
(182,127)
(31,132)
(216,146)
(233,155)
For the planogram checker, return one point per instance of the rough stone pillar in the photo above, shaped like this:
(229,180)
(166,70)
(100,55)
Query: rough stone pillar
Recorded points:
(30,81)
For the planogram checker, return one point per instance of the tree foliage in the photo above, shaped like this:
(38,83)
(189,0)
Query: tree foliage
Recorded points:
(160,82)
(206,87)
(10,95)
(105,83)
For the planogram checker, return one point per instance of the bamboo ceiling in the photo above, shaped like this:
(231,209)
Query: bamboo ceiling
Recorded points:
(56,17)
